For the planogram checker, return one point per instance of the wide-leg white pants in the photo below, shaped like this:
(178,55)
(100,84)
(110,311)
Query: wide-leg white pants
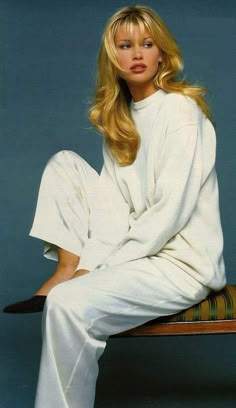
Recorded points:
(82,313)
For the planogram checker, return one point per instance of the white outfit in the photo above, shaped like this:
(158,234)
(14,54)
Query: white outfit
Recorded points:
(150,233)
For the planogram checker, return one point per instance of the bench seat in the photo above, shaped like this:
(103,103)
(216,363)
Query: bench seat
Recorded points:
(215,314)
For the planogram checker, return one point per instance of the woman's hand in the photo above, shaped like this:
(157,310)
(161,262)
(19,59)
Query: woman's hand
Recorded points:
(80,272)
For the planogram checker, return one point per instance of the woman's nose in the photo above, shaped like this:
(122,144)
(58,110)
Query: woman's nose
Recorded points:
(137,53)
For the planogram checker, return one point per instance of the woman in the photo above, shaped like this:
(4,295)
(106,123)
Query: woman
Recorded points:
(144,238)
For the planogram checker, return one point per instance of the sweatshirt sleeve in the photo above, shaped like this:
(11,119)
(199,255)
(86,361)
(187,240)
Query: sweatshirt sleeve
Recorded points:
(109,218)
(176,190)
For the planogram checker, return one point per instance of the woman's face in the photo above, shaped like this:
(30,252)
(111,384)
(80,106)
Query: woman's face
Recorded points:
(139,56)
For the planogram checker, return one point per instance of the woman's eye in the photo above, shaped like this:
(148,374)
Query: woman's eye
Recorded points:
(148,44)
(124,46)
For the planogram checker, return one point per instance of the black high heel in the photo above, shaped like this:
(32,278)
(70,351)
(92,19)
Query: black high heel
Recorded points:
(32,305)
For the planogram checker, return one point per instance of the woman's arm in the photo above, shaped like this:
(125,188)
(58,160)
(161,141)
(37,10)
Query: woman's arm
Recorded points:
(185,161)
(109,218)
(177,191)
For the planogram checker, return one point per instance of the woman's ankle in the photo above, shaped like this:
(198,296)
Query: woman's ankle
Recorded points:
(66,268)
(61,274)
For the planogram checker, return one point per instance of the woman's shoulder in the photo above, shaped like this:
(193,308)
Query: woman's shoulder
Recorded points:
(177,102)
(179,109)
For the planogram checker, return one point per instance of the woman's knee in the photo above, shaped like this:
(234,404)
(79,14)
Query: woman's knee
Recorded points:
(70,163)
(63,157)
(63,168)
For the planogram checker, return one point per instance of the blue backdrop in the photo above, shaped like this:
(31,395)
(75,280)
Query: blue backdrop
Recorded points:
(48,53)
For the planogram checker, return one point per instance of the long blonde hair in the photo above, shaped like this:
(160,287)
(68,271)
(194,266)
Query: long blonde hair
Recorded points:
(110,113)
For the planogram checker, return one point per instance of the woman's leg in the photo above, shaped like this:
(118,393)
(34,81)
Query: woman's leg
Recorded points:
(82,313)
(66,196)
(66,266)
(65,270)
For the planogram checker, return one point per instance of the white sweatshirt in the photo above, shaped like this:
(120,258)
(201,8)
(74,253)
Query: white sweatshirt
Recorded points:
(166,203)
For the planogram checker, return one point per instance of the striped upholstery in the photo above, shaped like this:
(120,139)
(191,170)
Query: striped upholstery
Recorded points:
(217,306)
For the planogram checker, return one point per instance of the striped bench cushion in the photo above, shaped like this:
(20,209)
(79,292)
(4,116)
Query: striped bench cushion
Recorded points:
(217,306)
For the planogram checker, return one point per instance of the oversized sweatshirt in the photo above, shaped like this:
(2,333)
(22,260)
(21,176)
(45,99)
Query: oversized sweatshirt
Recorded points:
(165,204)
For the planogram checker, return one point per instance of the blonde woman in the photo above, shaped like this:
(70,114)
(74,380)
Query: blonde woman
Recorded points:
(141,240)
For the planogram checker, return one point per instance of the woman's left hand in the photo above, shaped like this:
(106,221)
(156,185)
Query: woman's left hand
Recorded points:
(80,272)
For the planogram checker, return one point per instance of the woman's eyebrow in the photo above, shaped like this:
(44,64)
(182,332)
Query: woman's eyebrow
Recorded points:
(124,39)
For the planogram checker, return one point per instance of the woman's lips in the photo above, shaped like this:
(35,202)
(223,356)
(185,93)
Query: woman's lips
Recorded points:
(138,68)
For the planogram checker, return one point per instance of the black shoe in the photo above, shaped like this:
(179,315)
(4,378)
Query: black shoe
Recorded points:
(32,305)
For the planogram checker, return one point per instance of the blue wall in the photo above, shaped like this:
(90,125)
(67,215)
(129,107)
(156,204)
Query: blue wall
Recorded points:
(48,55)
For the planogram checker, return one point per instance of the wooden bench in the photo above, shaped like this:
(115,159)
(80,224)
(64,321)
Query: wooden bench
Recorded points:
(215,314)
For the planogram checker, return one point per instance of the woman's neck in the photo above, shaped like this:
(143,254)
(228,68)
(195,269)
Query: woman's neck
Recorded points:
(141,92)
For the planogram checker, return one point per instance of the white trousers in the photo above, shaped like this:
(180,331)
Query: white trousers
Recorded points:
(82,313)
